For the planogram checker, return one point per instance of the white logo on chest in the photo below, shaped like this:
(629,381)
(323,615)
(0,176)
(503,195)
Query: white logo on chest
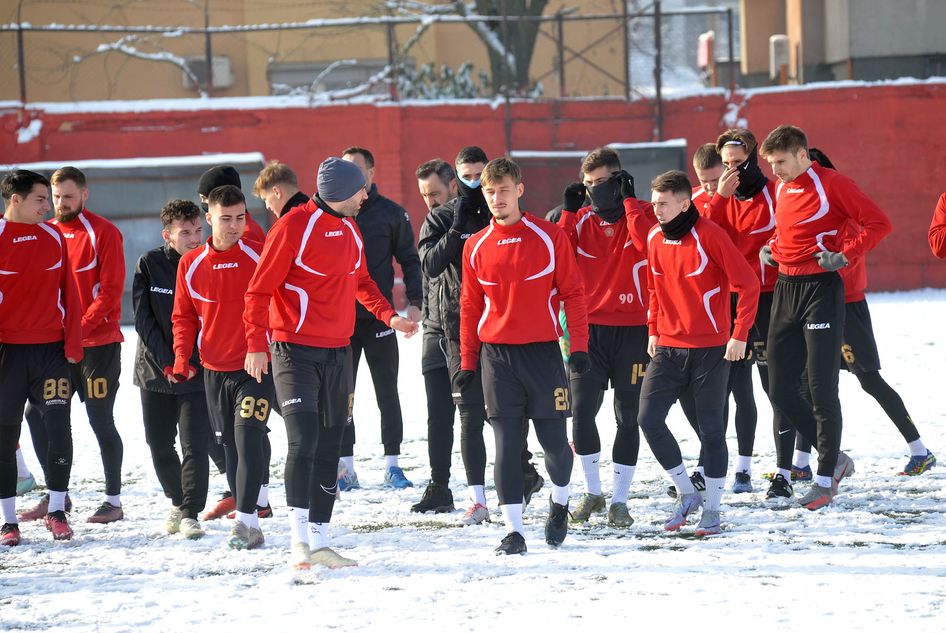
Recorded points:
(226,265)
(794,190)
(509,240)
(25,238)
(333,234)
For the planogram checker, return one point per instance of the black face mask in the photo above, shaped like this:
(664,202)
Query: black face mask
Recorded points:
(606,200)
(676,228)
(205,206)
(474,193)
(751,178)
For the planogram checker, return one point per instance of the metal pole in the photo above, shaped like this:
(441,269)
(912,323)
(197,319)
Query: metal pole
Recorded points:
(392,62)
(20,54)
(658,77)
(731,53)
(560,23)
(627,50)
(507,123)
(208,50)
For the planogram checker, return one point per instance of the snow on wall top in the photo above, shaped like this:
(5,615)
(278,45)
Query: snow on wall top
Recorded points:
(154,161)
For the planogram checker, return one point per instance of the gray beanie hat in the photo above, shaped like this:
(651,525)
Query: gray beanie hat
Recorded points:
(338,179)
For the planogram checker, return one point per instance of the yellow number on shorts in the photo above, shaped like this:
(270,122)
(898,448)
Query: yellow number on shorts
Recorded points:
(561,399)
(96,388)
(637,372)
(53,388)
(250,407)
(847,353)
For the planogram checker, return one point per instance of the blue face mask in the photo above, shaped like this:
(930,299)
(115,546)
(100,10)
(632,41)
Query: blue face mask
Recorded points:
(472,184)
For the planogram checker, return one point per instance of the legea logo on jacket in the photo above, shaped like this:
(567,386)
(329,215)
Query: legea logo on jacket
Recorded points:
(162,291)
(509,240)
(226,265)
(333,233)
(25,238)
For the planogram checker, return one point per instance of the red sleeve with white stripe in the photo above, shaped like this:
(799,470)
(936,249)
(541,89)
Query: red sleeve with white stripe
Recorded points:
(185,321)
(937,235)
(271,271)
(571,291)
(472,307)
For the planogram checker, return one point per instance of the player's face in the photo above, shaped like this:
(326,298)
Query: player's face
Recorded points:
(69,199)
(668,205)
(359,160)
(596,176)
(270,198)
(787,166)
(434,192)
(709,178)
(350,207)
(470,171)
(184,235)
(733,155)
(226,224)
(33,207)
(502,198)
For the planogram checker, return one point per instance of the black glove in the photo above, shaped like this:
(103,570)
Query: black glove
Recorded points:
(463,210)
(765,256)
(831,261)
(579,362)
(627,183)
(574,197)
(462,380)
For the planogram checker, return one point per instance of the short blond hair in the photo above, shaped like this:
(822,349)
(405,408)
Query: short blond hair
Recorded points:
(274,173)
(499,168)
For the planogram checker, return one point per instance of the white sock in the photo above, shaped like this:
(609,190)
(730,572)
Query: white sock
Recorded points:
(389,461)
(623,476)
(744,464)
(318,536)
(262,499)
(681,480)
(823,480)
(591,469)
(700,470)
(560,494)
(23,471)
(57,501)
(249,520)
(917,448)
(714,492)
(8,510)
(299,525)
(115,500)
(512,515)
(802,459)
(784,472)
(478,495)
(349,462)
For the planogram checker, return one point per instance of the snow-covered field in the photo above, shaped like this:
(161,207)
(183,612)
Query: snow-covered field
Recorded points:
(876,558)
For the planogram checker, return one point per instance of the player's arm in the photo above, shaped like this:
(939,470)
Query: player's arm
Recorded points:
(640,220)
(653,306)
(472,304)
(72,323)
(744,282)
(571,290)
(937,235)
(405,252)
(875,225)
(368,295)
(111,270)
(439,244)
(184,326)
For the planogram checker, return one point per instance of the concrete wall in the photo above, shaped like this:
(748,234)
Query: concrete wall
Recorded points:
(890,139)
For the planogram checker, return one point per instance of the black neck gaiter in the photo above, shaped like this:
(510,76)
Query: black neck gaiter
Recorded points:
(751,178)
(606,200)
(676,228)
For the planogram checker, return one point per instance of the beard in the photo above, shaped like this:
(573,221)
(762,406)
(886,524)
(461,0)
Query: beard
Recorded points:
(67,215)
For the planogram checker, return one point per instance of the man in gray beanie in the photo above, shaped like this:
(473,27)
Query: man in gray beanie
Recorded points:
(311,271)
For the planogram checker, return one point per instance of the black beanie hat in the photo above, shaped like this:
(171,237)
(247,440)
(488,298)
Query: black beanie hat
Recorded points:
(218,177)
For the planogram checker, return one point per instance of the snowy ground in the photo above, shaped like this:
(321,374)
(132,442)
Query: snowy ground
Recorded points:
(875,558)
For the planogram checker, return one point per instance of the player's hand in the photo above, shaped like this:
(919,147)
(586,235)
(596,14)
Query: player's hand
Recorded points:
(627,183)
(652,346)
(71,361)
(573,197)
(735,350)
(414,314)
(765,256)
(579,363)
(182,370)
(462,380)
(169,374)
(728,182)
(256,364)
(831,261)
(406,326)
(463,209)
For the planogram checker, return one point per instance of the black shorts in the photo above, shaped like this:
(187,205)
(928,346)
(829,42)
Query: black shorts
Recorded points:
(37,372)
(234,398)
(433,355)
(618,354)
(525,381)
(98,373)
(472,395)
(858,346)
(314,380)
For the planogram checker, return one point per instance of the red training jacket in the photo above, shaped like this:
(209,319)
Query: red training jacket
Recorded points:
(611,259)
(310,271)
(38,298)
(209,303)
(937,235)
(810,213)
(690,282)
(750,224)
(701,199)
(253,232)
(97,259)
(514,280)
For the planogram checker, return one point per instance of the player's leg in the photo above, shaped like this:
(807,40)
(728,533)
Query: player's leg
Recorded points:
(383,358)
(101,369)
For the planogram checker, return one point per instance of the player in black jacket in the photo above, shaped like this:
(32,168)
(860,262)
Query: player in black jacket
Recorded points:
(442,237)
(167,405)
(387,233)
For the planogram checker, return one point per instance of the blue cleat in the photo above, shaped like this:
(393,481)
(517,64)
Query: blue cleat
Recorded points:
(916,466)
(395,478)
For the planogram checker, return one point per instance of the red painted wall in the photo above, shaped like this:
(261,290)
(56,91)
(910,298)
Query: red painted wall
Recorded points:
(890,138)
